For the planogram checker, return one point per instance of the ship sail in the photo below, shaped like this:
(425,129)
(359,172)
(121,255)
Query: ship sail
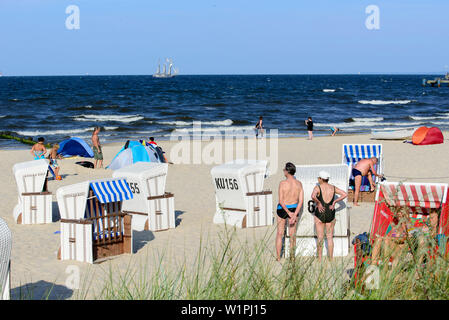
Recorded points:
(171,70)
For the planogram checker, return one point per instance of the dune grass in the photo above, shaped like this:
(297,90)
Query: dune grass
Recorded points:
(238,270)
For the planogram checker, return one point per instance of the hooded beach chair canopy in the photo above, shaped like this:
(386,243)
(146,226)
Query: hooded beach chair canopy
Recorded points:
(5,259)
(353,153)
(419,198)
(75,147)
(427,136)
(133,152)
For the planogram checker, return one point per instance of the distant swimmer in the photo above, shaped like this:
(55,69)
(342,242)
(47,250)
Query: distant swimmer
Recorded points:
(334,130)
(309,124)
(324,197)
(38,150)
(291,198)
(259,127)
(364,168)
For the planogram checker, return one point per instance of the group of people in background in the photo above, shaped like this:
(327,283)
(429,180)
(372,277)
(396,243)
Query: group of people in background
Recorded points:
(39,151)
(259,129)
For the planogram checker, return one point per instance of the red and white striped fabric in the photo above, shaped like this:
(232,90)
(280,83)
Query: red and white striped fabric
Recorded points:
(425,195)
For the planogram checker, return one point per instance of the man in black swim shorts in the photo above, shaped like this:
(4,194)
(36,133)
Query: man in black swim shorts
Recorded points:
(291,197)
(364,167)
(324,197)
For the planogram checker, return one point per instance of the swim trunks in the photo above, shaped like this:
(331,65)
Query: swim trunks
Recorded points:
(39,155)
(98,155)
(328,215)
(281,212)
(356,172)
(54,163)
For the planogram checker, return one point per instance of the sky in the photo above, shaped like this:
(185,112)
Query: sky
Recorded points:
(128,37)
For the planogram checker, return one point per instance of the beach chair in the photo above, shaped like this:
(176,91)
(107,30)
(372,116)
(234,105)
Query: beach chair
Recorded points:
(5,260)
(306,240)
(418,198)
(353,153)
(93,225)
(151,207)
(240,198)
(34,201)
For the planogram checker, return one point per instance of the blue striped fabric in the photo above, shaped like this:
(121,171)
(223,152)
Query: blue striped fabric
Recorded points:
(356,152)
(112,190)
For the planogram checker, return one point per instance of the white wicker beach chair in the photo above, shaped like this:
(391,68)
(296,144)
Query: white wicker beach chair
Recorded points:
(93,225)
(34,201)
(151,207)
(306,241)
(5,262)
(240,198)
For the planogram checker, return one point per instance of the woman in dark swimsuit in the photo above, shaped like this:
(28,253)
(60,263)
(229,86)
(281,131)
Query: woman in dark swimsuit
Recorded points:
(325,211)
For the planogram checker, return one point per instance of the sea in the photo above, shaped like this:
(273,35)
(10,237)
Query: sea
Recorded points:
(137,107)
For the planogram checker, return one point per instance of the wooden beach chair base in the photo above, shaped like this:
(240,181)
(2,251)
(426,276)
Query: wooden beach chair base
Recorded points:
(35,208)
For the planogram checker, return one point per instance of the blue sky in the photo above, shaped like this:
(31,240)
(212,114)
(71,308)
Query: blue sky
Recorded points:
(223,37)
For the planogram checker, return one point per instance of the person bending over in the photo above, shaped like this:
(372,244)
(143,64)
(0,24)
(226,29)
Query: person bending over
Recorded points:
(38,150)
(364,168)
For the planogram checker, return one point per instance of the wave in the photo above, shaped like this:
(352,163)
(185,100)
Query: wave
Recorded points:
(328,90)
(227,122)
(367,124)
(366,119)
(384,102)
(60,132)
(116,118)
(215,129)
(429,118)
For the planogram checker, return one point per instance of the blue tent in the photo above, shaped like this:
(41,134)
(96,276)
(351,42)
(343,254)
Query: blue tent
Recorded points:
(133,152)
(75,147)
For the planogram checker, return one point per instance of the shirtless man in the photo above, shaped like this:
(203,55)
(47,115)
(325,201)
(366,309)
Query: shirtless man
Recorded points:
(324,197)
(364,167)
(291,197)
(38,150)
(98,154)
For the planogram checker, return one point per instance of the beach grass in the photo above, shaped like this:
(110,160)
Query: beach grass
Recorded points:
(238,270)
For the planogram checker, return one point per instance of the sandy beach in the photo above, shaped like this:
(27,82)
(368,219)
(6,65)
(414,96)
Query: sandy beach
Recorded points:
(34,263)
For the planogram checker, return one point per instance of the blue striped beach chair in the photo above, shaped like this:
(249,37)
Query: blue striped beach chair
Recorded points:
(353,153)
(93,225)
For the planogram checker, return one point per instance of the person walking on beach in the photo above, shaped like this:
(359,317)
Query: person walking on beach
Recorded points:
(364,168)
(291,198)
(309,124)
(324,197)
(259,127)
(38,150)
(98,154)
(53,156)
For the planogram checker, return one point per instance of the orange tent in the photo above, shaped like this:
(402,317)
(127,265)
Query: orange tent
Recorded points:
(425,136)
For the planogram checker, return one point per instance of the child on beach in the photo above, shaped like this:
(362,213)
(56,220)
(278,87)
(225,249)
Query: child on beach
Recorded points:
(38,150)
(53,156)
(259,127)
(334,130)
(309,124)
(152,141)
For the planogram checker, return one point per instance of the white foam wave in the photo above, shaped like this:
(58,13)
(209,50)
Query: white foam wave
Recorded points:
(429,118)
(115,118)
(53,132)
(328,90)
(367,119)
(214,129)
(384,102)
(367,124)
(227,122)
